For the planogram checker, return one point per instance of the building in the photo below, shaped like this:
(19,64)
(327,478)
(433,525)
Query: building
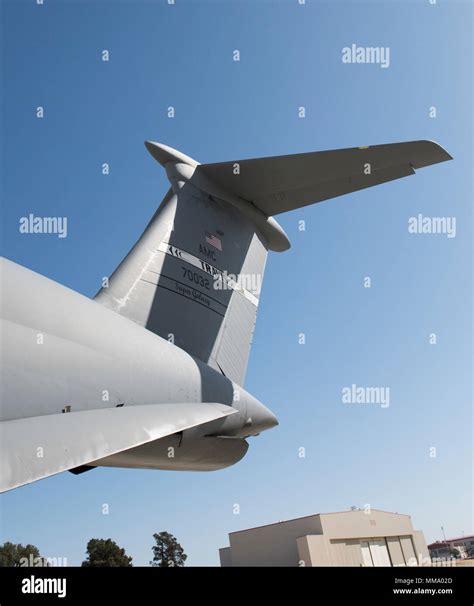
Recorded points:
(347,538)
(443,549)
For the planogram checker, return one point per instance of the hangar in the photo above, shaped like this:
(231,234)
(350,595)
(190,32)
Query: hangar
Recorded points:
(348,538)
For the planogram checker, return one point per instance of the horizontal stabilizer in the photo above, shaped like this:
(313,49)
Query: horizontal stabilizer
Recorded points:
(282,183)
(197,270)
(37,447)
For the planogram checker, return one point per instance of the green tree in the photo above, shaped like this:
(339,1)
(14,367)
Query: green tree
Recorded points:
(15,554)
(106,554)
(454,553)
(167,551)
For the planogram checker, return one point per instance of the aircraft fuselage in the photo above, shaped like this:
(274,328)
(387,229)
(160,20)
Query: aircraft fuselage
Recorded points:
(63,352)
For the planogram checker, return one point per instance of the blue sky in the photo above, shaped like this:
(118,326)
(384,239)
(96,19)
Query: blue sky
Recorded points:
(181,55)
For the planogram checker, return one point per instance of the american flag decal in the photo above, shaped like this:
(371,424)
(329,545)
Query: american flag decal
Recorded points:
(213,241)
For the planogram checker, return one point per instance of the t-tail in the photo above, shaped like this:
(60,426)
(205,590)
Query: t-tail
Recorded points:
(194,277)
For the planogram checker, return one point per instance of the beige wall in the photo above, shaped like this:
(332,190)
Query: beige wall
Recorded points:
(357,524)
(225,556)
(331,539)
(395,550)
(312,550)
(319,550)
(421,549)
(345,552)
(273,545)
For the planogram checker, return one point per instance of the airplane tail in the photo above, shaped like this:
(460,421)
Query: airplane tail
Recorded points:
(194,276)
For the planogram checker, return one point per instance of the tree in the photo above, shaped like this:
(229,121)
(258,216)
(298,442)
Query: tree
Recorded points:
(454,553)
(15,554)
(167,551)
(106,554)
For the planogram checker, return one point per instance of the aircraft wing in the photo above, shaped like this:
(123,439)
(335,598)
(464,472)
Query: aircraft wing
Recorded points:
(37,447)
(282,183)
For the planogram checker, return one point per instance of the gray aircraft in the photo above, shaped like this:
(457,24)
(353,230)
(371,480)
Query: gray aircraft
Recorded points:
(149,374)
